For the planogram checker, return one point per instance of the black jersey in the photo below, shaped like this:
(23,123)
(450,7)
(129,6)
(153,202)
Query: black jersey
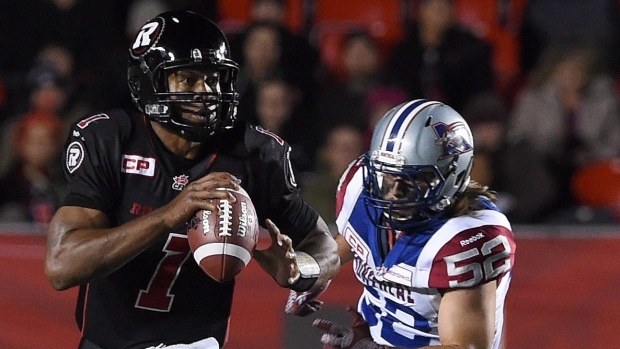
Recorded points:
(116,164)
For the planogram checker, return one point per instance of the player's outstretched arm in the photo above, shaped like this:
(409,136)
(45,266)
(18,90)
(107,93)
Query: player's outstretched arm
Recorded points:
(317,254)
(81,245)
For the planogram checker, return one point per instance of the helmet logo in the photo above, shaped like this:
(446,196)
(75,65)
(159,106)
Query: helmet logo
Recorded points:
(74,156)
(147,37)
(196,55)
(452,139)
(180,182)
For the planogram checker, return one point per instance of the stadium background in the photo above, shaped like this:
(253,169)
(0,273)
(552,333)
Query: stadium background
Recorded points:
(566,279)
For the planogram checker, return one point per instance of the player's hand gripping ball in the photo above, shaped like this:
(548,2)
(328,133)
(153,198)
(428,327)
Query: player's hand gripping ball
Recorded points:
(222,244)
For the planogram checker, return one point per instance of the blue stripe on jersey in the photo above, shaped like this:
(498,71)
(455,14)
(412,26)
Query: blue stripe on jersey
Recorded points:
(365,228)
(488,204)
(409,246)
(401,119)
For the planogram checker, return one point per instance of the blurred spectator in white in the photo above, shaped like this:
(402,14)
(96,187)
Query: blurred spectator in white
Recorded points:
(525,189)
(341,100)
(343,144)
(569,113)
(547,23)
(439,59)
(30,190)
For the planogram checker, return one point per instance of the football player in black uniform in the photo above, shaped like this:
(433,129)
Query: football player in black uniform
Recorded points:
(135,179)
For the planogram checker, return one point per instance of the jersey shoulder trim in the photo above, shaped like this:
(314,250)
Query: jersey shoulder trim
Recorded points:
(467,251)
(344,182)
(104,122)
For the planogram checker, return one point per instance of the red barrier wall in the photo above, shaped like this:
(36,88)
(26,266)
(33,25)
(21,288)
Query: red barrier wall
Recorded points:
(564,295)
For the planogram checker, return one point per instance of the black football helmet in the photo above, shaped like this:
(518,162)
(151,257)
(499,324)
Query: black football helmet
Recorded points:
(183,40)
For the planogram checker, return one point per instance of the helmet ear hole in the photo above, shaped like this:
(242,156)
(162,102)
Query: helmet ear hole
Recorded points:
(428,121)
(459,178)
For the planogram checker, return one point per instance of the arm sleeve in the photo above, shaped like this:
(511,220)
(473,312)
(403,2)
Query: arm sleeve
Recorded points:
(472,257)
(92,162)
(283,203)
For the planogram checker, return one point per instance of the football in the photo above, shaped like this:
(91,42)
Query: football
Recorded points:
(222,244)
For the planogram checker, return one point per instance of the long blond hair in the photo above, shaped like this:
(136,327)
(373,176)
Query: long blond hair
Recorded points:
(469,201)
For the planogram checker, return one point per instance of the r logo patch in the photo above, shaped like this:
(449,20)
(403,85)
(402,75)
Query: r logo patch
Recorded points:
(147,37)
(74,156)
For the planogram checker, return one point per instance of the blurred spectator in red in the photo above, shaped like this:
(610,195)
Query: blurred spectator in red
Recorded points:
(547,23)
(342,100)
(29,190)
(278,111)
(439,59)
(592,196)
(569,113)
(343,144)
(377,102)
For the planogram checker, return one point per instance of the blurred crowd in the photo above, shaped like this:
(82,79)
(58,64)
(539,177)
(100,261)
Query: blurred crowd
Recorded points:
(547,133)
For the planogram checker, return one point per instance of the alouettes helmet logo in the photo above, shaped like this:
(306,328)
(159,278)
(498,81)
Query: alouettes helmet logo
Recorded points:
(453,142)
(147,37)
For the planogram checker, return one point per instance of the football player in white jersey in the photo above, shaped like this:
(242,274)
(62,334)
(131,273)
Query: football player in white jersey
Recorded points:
(433,252)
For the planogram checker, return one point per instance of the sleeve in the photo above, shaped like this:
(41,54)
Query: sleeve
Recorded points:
(92,161)
(472,257)
(345,180)
(280,192)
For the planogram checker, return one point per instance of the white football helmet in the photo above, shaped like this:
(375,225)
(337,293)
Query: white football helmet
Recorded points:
(426,149)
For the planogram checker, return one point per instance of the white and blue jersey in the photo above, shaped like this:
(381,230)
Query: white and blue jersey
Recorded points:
(403,290)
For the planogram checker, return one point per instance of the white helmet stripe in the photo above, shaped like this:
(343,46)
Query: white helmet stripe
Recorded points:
(401,121)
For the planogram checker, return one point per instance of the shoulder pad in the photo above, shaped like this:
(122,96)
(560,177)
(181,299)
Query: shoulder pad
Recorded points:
(114,123)
(473,256)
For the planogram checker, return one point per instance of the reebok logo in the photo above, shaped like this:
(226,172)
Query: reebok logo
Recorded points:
(474,238)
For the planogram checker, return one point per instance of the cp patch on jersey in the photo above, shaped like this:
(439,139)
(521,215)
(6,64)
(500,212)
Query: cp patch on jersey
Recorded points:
(74,156)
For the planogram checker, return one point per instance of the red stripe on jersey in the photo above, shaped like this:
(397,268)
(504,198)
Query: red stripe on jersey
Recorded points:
(344,182)
(473,257)
(82,124)
(269,133)
(83,327)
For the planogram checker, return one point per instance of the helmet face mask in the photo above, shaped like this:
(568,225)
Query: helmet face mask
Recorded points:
(420,159)
(176,43)
(194,99)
